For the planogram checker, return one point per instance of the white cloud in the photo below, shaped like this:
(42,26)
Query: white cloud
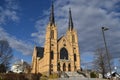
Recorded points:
(12,4)
(8,12)
(40,35)
(17,44)
(88,17)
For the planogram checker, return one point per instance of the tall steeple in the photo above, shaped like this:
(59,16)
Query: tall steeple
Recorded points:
(52,20)
(70,20)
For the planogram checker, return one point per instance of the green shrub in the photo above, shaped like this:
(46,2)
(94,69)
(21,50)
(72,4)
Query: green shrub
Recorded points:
(53,76)
(93,75)
(0,78)
(43,77)
(15,76)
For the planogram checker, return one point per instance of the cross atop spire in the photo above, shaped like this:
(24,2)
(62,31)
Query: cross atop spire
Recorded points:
(52,20)
(70,20)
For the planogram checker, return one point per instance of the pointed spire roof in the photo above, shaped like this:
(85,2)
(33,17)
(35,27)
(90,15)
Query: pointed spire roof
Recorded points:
(52,20)
(70,20)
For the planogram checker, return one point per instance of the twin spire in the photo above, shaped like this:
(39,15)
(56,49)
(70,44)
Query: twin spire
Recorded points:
(70,27)
(52,19)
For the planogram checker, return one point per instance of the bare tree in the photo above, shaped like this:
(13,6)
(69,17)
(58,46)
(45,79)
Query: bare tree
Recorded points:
(5,55)
(101,62)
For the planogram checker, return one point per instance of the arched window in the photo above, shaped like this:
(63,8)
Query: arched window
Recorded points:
(52,34)
(63,54)
(51,55)
(64,67)
(69,67)
(75,59)
(73,38)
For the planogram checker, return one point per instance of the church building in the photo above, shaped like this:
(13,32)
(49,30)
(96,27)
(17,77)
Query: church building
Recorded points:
(58,54)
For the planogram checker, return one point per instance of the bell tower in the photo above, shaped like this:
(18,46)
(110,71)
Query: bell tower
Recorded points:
(51,44)
(73,39)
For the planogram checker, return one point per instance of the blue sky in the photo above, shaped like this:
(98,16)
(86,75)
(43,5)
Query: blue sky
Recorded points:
(23,24)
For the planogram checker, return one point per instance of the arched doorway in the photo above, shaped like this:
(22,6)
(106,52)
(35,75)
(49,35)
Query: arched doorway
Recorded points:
(58,66)
(64,67)
(75,68)
(63,53)
(69,67)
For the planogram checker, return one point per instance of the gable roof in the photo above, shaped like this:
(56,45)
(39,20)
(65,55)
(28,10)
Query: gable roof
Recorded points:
(60,38)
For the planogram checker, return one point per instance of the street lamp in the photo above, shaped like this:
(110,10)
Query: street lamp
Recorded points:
(104,29)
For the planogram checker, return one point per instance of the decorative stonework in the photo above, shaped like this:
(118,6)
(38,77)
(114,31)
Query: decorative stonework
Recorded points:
(58,54)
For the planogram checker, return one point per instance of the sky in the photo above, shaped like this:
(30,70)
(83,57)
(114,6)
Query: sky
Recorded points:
(23,23)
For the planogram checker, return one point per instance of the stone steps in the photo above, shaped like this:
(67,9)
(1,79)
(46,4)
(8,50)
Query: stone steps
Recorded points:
(74,74)
(78,78)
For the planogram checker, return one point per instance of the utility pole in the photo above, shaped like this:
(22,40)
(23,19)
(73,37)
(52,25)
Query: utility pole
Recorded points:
(104,29)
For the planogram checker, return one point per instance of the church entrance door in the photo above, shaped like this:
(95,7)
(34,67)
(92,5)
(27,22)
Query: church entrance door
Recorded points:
(69,67)
(64,67)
